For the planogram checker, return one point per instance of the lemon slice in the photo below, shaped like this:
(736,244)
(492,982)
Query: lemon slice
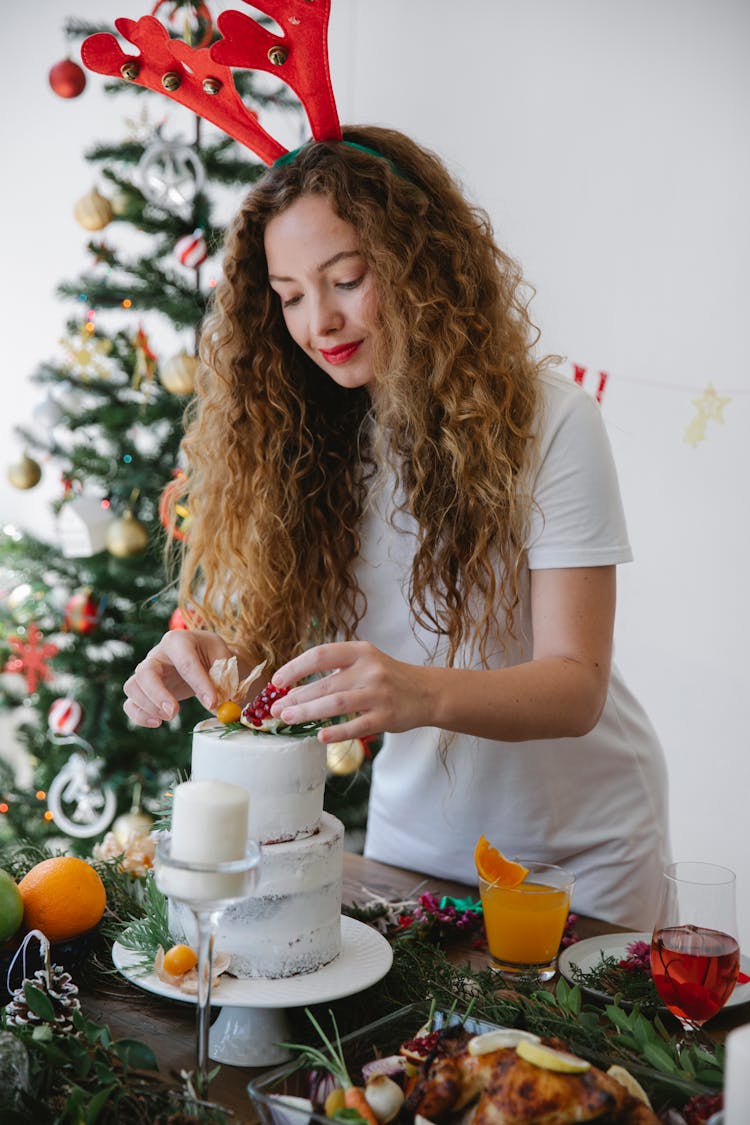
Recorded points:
(502,1037)
(632,1085)
(550,1059)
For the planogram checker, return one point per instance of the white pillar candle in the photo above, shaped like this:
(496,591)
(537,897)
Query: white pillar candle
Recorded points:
(737,1077)
(209,826)
(209,822)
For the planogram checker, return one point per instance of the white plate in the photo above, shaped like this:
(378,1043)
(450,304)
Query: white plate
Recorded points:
(586,955)
(365,958)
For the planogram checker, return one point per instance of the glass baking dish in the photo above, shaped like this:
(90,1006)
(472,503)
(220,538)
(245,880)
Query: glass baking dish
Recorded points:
(375,1040)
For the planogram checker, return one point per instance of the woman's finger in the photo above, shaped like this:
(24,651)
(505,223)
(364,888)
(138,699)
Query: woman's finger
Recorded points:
(140,717)
(317,660)
(139,700)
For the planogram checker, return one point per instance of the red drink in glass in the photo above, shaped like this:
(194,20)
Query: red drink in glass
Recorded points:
(694,970)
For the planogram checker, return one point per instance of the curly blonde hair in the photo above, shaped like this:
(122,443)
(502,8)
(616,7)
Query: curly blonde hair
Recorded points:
(280,458)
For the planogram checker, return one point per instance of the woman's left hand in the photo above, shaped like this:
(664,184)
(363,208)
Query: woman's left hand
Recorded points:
(357,679)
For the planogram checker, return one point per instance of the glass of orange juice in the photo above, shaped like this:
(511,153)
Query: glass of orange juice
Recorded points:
(525,923)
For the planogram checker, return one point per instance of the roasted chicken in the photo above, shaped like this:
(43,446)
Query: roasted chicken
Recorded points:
(501,1088)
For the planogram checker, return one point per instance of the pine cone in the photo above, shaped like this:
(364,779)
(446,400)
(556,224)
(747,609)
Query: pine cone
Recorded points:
(61,991)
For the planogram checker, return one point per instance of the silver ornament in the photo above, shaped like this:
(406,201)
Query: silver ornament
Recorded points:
(79,803)
(171,175)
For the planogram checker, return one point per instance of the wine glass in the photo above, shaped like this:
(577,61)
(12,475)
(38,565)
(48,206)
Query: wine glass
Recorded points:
(695,956)
(207,889)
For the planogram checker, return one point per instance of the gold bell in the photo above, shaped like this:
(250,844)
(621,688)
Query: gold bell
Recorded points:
(211,85)
(170,80)
(278,55)
(130,71)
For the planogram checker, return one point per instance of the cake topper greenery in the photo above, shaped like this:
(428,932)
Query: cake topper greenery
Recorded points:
(233,714)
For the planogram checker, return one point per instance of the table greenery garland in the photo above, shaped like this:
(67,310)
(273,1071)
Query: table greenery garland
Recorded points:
(87,1076)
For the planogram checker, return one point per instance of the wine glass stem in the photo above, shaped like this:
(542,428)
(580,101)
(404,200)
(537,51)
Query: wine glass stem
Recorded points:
(206,921)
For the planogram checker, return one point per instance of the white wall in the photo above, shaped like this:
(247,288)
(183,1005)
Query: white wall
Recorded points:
(609,143)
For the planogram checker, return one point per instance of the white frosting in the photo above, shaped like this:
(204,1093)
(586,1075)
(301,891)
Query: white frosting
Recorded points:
(291,923)
(285,777)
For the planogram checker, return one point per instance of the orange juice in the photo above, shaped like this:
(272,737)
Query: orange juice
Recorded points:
(525,924)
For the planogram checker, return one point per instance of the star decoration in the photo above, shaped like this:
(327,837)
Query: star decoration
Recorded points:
(140,129)
(710,408)
(30,659)
(86,353)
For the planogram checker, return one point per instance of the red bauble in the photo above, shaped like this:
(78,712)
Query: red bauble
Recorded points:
(192,249)
(81,613)
(65,716)
(67,79)
(177,621)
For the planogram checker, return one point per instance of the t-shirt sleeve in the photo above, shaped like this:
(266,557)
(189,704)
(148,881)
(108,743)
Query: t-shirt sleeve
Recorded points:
(577,517)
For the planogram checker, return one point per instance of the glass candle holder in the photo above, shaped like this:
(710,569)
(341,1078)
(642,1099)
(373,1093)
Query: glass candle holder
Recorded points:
(207,889)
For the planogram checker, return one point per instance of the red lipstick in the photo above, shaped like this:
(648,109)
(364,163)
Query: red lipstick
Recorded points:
(340,354)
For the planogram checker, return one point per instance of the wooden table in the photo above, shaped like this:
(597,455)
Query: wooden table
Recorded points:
(169,1027)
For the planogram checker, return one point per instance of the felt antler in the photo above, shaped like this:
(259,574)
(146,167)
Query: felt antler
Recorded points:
(300,58)
(201,78)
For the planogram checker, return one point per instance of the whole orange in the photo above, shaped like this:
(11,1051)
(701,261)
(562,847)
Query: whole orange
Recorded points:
(63,897)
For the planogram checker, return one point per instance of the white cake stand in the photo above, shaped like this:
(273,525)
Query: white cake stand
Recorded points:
(252,1021)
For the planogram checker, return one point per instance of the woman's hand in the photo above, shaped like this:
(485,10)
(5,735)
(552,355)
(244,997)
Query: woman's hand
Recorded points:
(357,679)
(175,669)
(558,693)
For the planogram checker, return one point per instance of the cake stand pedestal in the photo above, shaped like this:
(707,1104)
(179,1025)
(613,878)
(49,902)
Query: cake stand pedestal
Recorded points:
(253,1021)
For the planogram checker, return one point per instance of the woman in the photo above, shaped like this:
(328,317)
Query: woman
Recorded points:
(417,524)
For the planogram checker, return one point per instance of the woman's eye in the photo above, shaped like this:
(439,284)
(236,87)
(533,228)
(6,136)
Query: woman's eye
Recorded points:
(349,284)
(289,302)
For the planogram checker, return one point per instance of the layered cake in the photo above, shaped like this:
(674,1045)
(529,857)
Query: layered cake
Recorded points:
(291,923)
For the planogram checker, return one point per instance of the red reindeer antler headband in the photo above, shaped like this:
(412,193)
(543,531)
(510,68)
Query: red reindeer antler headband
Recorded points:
(201,79)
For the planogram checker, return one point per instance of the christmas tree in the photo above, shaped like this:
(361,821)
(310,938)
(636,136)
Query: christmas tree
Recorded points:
(79,611)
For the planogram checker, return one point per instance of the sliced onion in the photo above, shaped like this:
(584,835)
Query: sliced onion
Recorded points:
(384,1097)
(393,1066)
(319,1085)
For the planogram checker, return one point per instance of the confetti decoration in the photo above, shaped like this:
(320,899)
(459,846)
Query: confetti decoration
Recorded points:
(709,406)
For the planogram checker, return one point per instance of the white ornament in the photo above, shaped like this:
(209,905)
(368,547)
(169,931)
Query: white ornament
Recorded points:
(82,527)
(47,413)
(79,804)
(171,175)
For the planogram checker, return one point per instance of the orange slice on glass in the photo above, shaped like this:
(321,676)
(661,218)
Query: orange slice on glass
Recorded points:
(493,867)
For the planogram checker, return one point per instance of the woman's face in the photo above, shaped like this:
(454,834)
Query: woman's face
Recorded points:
(325,287)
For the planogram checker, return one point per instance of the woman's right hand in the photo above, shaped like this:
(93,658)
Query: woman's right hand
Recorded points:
(175,669)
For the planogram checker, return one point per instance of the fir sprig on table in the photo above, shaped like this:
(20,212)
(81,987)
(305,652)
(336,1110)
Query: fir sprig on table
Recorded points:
(144,935)
(421,969)
(628,978)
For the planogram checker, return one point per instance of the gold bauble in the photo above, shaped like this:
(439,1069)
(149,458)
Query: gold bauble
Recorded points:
(93,211)
(178,374)
(345,757)
(131,825)
(126,537)
(26,473)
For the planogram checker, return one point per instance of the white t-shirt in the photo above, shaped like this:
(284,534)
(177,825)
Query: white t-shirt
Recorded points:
(595,804)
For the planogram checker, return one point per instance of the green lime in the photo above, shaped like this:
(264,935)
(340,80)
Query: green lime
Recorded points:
(11,906)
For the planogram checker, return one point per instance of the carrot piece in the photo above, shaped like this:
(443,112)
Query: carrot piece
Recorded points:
(354,1098)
